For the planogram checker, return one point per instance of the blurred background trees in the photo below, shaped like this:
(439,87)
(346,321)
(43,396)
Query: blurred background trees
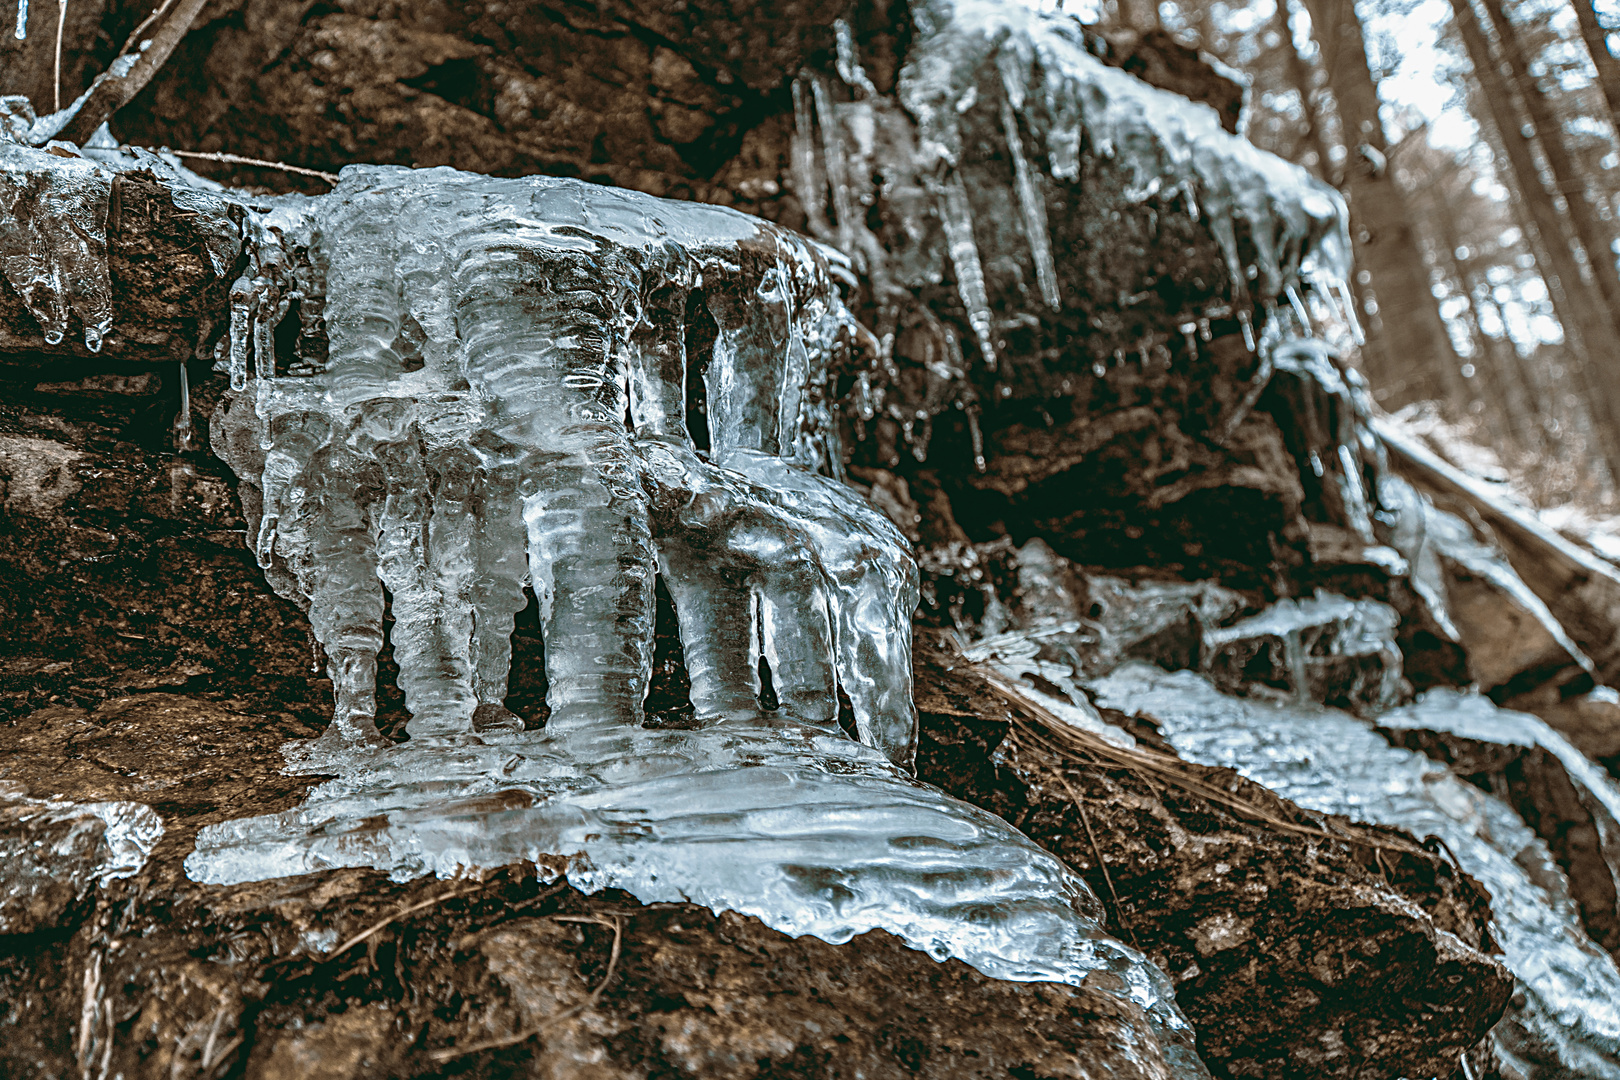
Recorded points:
(1476,144)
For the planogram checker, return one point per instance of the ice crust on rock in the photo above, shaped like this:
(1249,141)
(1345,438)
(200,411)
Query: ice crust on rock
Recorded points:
(504,404)
(131,829)
(485,349)
(1566,1021)
(812,833)
(53,250)
(1055,103)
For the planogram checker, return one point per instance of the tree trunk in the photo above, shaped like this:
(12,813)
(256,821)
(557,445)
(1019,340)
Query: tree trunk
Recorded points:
(1597,46)
(1501,379)
(1578,307)
(1594,234)
(1300,74)
(1139,14)
(1406,331)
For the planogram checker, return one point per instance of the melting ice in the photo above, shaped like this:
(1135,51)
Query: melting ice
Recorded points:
(1566,1020)
(504,404)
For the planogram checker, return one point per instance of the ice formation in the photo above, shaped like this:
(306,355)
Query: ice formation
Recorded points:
(1566,1021)
(53,250)
(131,829)
(486,346)
(504,404)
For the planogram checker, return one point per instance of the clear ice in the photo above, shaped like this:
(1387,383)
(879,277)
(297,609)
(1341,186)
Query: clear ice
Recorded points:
(1565,1021)
(131,829)
(504,405)
(1265,214)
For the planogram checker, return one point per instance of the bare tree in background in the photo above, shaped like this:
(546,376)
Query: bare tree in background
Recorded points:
(1597,47)
(1302,76)
(1594,236)
(1409,351)
(1588,329)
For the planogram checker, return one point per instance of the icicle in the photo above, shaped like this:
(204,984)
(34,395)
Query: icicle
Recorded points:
(1189,332)
(832,149)
(849,60)
(264,346)
(1246,322)
(809,182)
(22,20)
(957,217)
(977,436)
(1300,311)
(1356,507)
(1349,303)
(184,439)
(1031,200)
(241,297)
(1032,205)
(1099,369)
(1206,333)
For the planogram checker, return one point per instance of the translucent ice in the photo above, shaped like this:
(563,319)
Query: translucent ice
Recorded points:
(485,350)
(1264,212)
(812,833)
(505,404)
(132,829)
(1566,1022)
(53,250)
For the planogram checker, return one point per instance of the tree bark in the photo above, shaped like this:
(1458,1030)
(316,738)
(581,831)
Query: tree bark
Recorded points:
(1597,46)
(1594,235)
(1503,384)
(1301,75)
(1406,324)
(1576,303)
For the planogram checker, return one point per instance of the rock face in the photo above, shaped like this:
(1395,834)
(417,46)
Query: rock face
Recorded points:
(1299,944)
(1126,425)
(180,979)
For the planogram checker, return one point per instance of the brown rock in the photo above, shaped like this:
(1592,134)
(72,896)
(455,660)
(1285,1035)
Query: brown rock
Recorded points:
(1299,944)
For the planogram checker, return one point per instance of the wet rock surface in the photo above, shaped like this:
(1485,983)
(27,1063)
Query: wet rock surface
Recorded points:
(159,976)
(152,665)
(1298,943)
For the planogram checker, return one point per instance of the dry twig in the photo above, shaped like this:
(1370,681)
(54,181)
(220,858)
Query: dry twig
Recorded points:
(236,159)
(112,90)
(396,916)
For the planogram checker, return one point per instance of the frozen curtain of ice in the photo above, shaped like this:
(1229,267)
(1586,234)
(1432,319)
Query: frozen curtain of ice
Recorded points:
(504,404)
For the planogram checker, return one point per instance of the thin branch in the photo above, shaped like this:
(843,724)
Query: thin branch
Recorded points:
(236,159)
(135,35)
(112,91)
(450,1053)
(396,916)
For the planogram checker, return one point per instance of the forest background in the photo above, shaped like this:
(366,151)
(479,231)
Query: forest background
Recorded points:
(1476,143)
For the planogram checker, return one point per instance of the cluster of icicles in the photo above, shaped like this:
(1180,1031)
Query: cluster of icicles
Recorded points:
(505,405)
(1282,234)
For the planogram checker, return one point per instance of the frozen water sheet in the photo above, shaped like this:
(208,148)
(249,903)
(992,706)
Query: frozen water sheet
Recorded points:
(504,406)
(809,832)
(1566,1021)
